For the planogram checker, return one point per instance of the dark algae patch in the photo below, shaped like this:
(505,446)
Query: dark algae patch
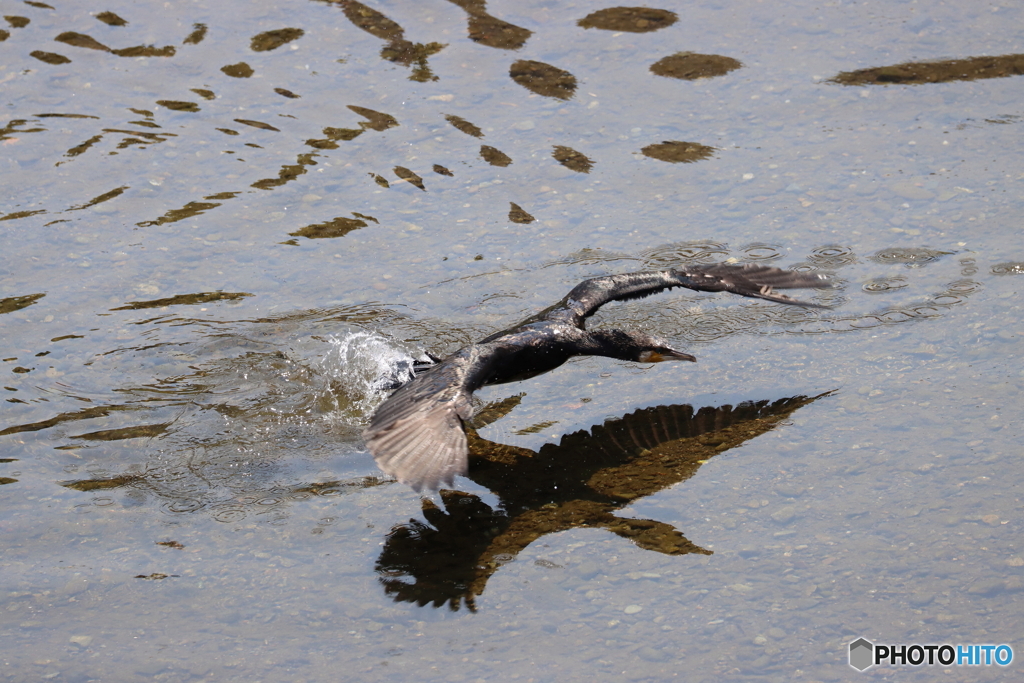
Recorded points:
(145,51)
(464,126)
(177,105)
(111,19)
(87,414)
(81,40)
(631,19)
(398,49)
(676,152)
(134,432)
(51,58)
(257,124)
(517,215)
(573,160)
(87,485)
(271,40)
(336,227)
(15,303)
(410,177)
(196,36)
(372,21)
(189,210)
(543,79)
(75,39)
(239,70)
(375,120)
(916,73)
(184,300)
(155,576)
(494,156)
(106,196)
(488,30)
(690,66)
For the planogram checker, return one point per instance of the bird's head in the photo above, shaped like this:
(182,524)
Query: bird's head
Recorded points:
(637,347)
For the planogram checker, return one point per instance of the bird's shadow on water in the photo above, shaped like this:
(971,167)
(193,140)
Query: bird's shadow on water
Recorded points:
(579,483)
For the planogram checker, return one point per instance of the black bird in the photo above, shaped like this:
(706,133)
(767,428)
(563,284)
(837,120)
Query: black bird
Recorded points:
(417,435)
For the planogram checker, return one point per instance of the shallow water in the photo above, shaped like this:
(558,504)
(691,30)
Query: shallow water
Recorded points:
(212,249)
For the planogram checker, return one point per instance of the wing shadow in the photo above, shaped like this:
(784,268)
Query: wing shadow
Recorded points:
(579,483)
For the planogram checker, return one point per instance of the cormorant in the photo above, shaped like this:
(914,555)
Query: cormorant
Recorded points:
(417,435)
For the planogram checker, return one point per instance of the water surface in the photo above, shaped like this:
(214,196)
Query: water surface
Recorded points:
(222,222)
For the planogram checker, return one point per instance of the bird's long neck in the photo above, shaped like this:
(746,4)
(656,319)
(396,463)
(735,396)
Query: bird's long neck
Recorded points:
(610,343)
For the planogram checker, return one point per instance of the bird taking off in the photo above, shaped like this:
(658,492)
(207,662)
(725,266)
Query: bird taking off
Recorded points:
(417,435)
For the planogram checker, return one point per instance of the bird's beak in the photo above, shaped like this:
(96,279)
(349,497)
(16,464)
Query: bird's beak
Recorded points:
(657,357)
(678,355)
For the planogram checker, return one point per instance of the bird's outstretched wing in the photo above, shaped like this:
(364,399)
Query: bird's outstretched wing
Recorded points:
(749,280)
(416,435)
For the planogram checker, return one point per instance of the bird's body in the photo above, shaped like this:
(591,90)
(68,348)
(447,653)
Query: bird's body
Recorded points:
(417,433)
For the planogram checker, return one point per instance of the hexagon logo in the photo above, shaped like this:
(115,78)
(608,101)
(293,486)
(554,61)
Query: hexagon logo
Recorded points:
(861,654)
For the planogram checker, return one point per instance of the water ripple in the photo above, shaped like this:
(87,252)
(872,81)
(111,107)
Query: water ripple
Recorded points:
(759,251)
(882,285)
(1011,268)
(684,252)
(914,257)
(228,513)
(938,304)
(832,256)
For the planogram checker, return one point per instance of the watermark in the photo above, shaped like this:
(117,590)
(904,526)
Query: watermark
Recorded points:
(865,654)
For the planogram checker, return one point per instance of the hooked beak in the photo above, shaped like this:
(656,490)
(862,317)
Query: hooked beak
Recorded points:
(668,354)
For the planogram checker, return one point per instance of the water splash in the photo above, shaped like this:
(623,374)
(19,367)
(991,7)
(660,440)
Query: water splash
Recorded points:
(364,367)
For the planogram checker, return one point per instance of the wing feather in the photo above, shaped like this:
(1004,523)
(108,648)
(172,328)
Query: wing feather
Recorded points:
(416,435)
(748,280)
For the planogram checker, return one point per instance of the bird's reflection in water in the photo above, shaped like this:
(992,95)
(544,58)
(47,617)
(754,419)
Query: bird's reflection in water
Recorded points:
(581,482)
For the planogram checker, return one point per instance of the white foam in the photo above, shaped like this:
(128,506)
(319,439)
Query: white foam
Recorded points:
(365,367)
